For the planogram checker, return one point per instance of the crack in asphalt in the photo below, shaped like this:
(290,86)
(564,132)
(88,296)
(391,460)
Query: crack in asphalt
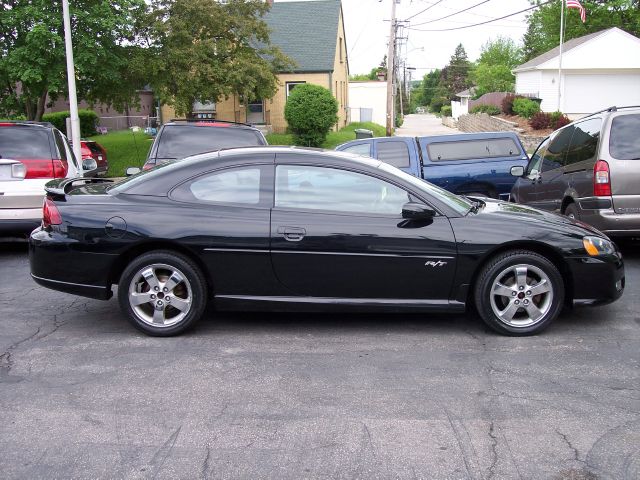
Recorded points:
(494,451)
(205,464)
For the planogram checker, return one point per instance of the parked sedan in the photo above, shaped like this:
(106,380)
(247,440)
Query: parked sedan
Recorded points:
(277,228)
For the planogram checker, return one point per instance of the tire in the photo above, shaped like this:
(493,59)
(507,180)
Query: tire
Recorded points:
(511,310)
(571,211)
(162,293)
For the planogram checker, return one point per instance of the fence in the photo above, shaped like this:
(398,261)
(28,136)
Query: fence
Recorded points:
(124,122)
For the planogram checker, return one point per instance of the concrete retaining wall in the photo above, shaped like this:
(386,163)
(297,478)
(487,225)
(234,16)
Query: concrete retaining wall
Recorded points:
(481,122)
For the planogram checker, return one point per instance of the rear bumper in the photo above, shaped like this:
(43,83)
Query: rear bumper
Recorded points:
(19,220)
(612,223)
(56,263)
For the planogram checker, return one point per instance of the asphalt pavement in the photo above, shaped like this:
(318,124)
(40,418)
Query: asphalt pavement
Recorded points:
(295,396)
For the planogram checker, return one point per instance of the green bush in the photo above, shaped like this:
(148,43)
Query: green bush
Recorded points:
(437,103)
(311,111)
(445,111)
(488,109)
(507,104)
(88,121)
(525,107)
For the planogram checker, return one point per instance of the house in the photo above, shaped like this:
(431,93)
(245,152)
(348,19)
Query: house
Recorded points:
(462,107)
(312,34)
(368,101)
(598,70)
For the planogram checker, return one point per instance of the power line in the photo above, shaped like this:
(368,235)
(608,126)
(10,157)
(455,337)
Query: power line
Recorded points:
(422,11)
(454,13)
(481,23)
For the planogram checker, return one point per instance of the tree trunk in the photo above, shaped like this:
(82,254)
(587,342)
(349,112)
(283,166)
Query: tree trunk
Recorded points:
(42,101)
(28,109)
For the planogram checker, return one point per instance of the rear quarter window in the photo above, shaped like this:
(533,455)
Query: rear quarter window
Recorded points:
(472,149)
(393,153)
(624,139)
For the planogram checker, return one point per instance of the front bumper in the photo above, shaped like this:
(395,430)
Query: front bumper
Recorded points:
(57,263)
(597,281)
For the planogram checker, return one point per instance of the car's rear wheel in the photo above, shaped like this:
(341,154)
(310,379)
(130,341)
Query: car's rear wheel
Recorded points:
(571,211)
(519,293)
(162,293)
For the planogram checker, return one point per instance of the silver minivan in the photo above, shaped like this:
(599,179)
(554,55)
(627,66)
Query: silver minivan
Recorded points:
(588,170)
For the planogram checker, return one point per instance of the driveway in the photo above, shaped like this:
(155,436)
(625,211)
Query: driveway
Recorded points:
(418,125)
(299,396)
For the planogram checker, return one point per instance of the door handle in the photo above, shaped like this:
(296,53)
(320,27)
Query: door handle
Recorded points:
(292,234)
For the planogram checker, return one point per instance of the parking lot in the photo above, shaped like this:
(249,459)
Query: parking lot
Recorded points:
(84,395)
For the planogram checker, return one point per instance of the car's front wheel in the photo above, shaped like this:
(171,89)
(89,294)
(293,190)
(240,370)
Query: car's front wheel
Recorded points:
(162,293)
(519,293)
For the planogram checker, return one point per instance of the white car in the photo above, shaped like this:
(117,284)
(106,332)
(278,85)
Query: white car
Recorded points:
(31,154)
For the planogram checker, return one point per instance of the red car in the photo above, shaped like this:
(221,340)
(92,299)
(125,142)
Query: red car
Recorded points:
(91,149)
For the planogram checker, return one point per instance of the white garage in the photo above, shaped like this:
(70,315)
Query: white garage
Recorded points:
(598,70)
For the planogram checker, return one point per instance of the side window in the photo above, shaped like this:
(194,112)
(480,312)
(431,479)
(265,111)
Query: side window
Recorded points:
(331,189)
(557,150)
(584,143)
(533,169)
(394,153)
(240,186)
(363,149)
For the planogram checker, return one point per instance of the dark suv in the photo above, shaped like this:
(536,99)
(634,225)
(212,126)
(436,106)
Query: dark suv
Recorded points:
(179,139)
(589,170)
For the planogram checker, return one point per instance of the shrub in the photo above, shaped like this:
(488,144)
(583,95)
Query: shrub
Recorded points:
(488,109)
(437,103)
(525,107)
(540,120)
(399,120)
(88,121)
(507,103)
(311,111)
(445,111)
(558,120)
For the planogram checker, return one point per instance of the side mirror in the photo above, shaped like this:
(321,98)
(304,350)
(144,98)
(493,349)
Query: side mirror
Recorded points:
(89,164)
(417,211)
(517,171)
(132,171)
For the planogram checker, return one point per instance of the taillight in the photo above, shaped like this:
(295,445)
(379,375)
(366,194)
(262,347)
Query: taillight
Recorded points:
(601,179)
(148,166)
(45,168)
(50,214)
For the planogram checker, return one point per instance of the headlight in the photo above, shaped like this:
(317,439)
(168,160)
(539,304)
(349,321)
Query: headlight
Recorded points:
(596,246)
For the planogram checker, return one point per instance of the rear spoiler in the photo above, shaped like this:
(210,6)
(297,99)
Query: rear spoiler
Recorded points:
(59,188)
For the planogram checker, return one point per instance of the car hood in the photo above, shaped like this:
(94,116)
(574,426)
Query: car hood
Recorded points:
(534,220)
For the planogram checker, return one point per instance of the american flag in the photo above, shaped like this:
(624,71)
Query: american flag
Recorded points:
(578,5)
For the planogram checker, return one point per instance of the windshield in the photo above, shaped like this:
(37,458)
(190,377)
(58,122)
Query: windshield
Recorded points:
(138,177)
(180,141)
(457,203)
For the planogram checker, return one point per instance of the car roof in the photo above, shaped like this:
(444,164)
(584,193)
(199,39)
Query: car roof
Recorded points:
(25,123)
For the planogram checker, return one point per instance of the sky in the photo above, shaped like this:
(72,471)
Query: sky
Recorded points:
(367,30)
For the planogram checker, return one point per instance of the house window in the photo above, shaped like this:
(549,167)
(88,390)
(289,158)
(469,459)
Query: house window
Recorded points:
(341,57)
(291,85)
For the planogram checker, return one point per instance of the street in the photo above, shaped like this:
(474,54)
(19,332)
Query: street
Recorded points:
(426,124)
(292,396)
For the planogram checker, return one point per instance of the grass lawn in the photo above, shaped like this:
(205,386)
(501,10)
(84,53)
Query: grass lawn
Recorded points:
(124,149)
(128,149)
(334,138)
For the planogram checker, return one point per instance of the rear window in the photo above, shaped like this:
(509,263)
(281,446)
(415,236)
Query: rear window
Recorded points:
(468,149)
(624,140)
(24,143)
(180,141)
(95,149)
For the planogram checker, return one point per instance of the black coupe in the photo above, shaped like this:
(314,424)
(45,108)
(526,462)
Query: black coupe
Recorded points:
(276,228)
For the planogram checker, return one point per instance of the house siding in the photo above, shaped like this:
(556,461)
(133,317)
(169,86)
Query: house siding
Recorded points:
(528,83)
(341,75)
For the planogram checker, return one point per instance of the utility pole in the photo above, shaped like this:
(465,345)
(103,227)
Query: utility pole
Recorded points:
(560,55)
(71,78)
(390,69)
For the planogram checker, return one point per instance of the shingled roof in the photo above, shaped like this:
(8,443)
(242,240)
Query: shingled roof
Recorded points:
(307,32)
(554,52)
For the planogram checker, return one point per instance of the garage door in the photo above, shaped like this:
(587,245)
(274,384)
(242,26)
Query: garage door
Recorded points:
(590,93)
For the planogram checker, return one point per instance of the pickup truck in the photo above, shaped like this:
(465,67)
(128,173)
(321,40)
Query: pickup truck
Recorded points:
(465,164)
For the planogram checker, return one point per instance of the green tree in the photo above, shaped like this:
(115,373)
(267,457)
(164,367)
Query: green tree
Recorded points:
(429,85)
(32,65)
(454,77)
(311,111)
(202,50)
(543,30)
(492,72)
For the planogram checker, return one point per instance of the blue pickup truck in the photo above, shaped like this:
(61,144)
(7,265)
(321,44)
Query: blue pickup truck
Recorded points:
(468,163)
